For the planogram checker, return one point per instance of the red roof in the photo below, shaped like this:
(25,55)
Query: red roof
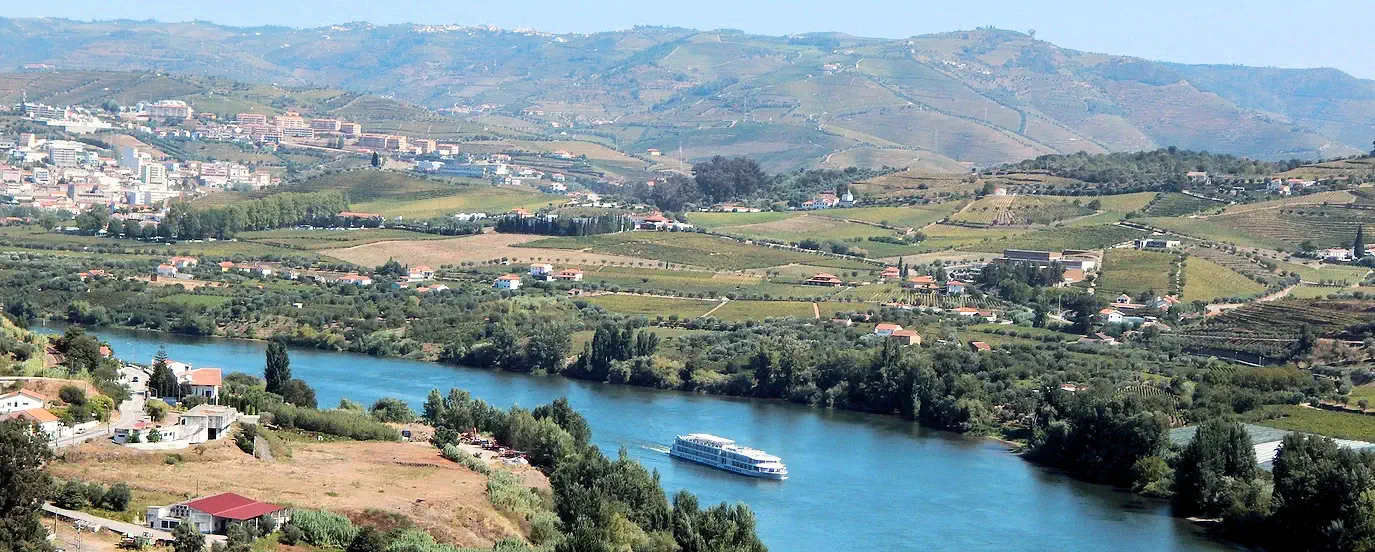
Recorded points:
(232,506)
(204,376)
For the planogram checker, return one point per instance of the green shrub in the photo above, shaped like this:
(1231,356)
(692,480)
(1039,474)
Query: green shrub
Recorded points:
(452,452)
(343,423)
(415,540)
(324,528)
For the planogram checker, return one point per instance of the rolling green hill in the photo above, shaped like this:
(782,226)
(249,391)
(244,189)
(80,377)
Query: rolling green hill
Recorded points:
(979,97)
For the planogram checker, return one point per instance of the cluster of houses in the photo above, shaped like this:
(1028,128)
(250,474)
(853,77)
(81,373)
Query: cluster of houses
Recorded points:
(32,406)
(827,200)
(1124,310)
(543,272)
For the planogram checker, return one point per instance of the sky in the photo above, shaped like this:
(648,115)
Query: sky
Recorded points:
(1270,33)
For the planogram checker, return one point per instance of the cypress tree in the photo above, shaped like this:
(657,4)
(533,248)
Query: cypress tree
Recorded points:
(277,373)
(1358,246)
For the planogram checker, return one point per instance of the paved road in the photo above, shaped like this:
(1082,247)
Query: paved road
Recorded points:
(126,529)
(130,411)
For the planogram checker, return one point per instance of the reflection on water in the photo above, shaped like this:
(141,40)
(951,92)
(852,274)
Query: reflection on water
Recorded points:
(857,481)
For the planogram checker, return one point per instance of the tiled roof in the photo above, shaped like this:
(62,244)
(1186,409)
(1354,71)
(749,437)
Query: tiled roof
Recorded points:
(232,506)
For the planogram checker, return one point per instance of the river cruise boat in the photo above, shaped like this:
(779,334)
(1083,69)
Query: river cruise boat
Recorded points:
(722,453)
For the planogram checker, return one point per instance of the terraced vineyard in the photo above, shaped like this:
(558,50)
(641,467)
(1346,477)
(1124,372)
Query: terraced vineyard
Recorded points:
(1282,318)
(1173,205)
(1022,210)
(1246,267)
(1336,274)
(1205,280)
(1059,238)
(1132,272)
(931,299)
(1277,228)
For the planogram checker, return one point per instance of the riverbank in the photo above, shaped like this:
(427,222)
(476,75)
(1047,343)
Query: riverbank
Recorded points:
(951,486)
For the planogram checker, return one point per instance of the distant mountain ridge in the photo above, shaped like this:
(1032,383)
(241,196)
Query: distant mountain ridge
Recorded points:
(941,101)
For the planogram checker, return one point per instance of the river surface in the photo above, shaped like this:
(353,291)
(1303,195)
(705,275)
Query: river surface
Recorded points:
(857,481)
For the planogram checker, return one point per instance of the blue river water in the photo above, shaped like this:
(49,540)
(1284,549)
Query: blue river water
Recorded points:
(857,481)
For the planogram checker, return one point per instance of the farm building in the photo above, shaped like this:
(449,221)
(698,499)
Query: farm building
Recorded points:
(979,346)
(823,279)
(906,337)
(213,514)
(1155,243)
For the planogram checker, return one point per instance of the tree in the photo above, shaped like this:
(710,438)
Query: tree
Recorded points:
(434,407)
(392,410)
(376,160)
(1219,456)
(24,485)
(239,538)
(162,381)
(723,178)
(1358,244)
(186,538)
(117,498)
(277,373)
(367,540)
(299,393)
(72,496)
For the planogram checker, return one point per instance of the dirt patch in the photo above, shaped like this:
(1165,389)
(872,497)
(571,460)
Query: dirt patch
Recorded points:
(188,284)
(49,387)
(359,479)
(483,247)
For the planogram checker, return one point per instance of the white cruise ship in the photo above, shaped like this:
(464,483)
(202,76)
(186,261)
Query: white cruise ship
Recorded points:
(722,453)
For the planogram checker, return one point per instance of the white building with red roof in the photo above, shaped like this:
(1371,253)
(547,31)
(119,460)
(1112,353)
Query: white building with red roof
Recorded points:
(213,514)
(47,422)
(886,329)
(569,274)
(203,382)
(509,281)
(21,400)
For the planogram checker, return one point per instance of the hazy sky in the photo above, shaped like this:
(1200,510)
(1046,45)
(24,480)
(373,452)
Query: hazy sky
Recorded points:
(1287,33)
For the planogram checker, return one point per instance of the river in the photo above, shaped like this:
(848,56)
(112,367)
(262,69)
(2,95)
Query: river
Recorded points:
(857,481)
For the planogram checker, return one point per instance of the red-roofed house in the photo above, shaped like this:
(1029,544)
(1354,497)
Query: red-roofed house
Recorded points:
(906,337)
(979,346)
(183,262)
(571,274)
(421,272)
(20,400)
(922,283)
(46,421)
(213,514)
(203,382)
(886,329)
(509,281)
(890,273)
(824,279)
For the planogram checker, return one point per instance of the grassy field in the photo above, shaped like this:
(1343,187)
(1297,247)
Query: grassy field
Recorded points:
(712,221)
(1205,280)
(1132,272)
(1341,425)
(476,199)
(327,239)
(946,236)
(692,249)
(652,306)
(911,217)
(1328,273)
(1316,292)
(759,310)
(1059,238)
(798,228)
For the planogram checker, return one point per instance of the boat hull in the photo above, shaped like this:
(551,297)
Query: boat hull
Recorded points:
(747,473)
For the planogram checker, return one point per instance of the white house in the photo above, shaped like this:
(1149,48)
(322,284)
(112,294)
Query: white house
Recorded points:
(420,272)
(570,275)
(46,421)
(144,429)
(541,271)
(509,281)
(206,422)
(166,270)
(21,400)
(955,287)
(886,329)
(1111,316)
(355,280)
(213,514)
(203,382)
